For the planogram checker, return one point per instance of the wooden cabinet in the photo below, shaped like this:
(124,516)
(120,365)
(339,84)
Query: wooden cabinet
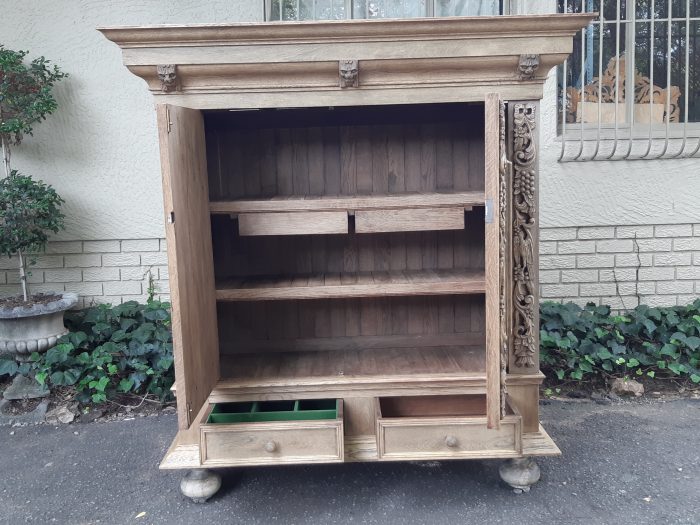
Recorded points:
(374,245)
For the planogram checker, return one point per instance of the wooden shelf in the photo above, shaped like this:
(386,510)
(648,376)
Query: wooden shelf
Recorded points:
(349,285)
(350,203)
(387,371)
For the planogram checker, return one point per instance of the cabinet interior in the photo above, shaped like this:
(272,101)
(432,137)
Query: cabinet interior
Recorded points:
(277,155)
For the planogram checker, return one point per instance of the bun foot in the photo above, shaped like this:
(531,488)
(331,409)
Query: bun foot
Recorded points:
(520,473)
(200,484)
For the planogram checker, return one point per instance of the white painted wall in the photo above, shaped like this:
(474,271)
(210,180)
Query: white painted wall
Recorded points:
(100,149)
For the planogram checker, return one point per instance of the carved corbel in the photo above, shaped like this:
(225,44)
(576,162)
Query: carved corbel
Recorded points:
(167,74)
(349,73)
(527,66)
(524,226)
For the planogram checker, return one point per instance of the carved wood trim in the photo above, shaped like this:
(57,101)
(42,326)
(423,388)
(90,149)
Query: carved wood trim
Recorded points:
(524,235)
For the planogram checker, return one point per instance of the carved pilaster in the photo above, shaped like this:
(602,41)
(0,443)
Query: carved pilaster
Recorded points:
(524,238)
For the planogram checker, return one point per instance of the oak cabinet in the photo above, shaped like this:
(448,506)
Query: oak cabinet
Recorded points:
(372,242)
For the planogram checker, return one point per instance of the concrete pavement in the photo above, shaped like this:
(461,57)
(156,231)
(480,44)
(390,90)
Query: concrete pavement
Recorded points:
(629,463)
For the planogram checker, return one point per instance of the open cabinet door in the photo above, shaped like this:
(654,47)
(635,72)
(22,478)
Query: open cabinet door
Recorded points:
(495,165)
(190,260)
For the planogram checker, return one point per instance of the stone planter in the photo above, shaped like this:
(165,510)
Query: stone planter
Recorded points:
(35,328)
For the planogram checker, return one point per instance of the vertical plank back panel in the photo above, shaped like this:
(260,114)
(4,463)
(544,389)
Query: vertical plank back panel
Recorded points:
(268,164)
(331,160)
(341,152)
(190,259)
(316,161)
(396,159)
(283,139)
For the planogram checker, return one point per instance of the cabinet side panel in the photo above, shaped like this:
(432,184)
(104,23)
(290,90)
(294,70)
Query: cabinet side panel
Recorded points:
(190,260)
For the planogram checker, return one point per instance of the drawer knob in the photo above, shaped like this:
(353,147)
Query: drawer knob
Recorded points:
(451,441)
(270,446)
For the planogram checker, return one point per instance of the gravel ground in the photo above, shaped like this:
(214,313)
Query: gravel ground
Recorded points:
(635,462)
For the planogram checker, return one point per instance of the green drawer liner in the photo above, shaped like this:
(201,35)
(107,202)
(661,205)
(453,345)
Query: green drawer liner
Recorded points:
(260,411)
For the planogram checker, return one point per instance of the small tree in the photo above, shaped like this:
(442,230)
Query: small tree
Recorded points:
(29,209)
(25,97)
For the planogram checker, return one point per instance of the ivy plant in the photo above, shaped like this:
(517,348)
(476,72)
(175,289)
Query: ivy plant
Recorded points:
(112,350)
(590,342)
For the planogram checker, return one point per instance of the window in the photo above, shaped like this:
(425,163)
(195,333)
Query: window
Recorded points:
(288,10)
(653,45)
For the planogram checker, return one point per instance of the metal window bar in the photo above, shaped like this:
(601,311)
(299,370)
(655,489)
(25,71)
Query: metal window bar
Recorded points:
(652,32)
(630,47)
(673,140)
(617,81)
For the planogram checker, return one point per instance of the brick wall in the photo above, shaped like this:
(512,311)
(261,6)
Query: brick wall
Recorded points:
(621,265)
(99,271)
(616,265)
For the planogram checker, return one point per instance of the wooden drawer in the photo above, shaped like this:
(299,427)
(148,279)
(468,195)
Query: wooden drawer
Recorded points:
(409,220)
(273,442)
(293,223)
(443,427)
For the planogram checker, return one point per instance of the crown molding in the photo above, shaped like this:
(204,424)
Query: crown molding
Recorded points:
(297,63)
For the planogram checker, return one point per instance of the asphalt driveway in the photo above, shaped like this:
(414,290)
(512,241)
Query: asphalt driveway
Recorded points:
(636,463)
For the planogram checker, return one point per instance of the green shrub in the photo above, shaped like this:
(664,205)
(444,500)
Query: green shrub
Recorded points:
(590,342)
(111,350)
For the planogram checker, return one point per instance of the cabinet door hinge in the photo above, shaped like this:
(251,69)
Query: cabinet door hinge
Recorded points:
(167,118)
(488,211)
(171,217)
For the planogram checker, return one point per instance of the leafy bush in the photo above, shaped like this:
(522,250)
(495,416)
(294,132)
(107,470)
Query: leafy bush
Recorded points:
(591,342)
(26,93)
(111,350)
(29,209)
